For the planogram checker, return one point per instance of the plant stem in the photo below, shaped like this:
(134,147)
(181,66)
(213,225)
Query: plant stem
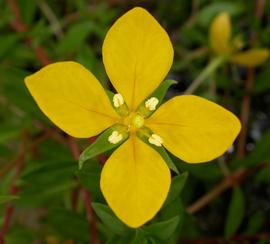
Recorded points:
(19,26)
(209,69)
(246,102)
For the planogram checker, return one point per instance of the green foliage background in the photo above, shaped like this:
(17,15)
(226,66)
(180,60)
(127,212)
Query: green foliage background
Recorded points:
(39,179)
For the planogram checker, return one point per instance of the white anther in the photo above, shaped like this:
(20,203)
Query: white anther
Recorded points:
(155,140)
(118,100)
(151,103)
(115,137)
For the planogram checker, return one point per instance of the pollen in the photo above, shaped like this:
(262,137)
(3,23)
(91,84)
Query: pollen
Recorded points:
(115,137)
(118,100)
(155,140)
(151,103)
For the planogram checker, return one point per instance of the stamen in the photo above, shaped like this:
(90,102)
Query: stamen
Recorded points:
(155,140)
(151,103)
(115,137)
(118,100)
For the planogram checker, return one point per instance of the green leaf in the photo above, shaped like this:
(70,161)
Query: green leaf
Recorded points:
(20,234)
(87,57)
(7,198)
(110,220)
(235,212)
(8,132)
(12,80)
(255,222)
(27,10)
(139,237)
(7,44)
(101,144)
(69,225)
(37,195)
(209,171)
(207,13)
(263,175)
(177,185)
(159,93)
(261,82)
(75,37)
(90,178)
(259,154)
(163,230)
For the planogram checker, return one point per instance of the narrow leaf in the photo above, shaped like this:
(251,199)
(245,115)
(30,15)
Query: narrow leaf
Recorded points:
(101,145)
(235,213)
(177,186)
(7,198)
(110,220)
(255,223)
(163,230)
(261,151)
(159,93)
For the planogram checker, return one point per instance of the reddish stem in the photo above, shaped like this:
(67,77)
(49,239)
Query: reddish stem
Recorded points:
(13,190)
(41,55)
(75,150)
(7,219)
(246,102)
(90,215)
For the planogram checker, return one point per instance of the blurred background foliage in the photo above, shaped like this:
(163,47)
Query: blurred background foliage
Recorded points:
(45,198)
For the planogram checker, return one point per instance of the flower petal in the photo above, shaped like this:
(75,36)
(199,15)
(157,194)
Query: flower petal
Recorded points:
(135,182)
(220,34)
(194,129)
(72,98)
(251,58)
(137,54)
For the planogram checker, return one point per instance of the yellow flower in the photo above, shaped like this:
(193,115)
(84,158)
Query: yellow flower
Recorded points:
(222,43)
(137,54)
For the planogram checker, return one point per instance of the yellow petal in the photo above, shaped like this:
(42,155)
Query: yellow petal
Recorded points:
(137,54)
(135,182)
(194,129)
(251,58)
(220,34)
(72,98)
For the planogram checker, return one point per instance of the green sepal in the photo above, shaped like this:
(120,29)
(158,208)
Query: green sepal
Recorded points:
(101,144)
(162,230)
(110,220)
(110,94)
(159,93)
(177,185)
(163,153)
(161,150)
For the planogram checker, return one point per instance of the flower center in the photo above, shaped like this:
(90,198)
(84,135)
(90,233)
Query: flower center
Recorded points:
(134,121)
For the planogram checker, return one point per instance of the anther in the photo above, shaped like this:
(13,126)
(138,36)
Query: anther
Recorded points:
(115,137)
(118,100)
(151,103)
(155,140)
